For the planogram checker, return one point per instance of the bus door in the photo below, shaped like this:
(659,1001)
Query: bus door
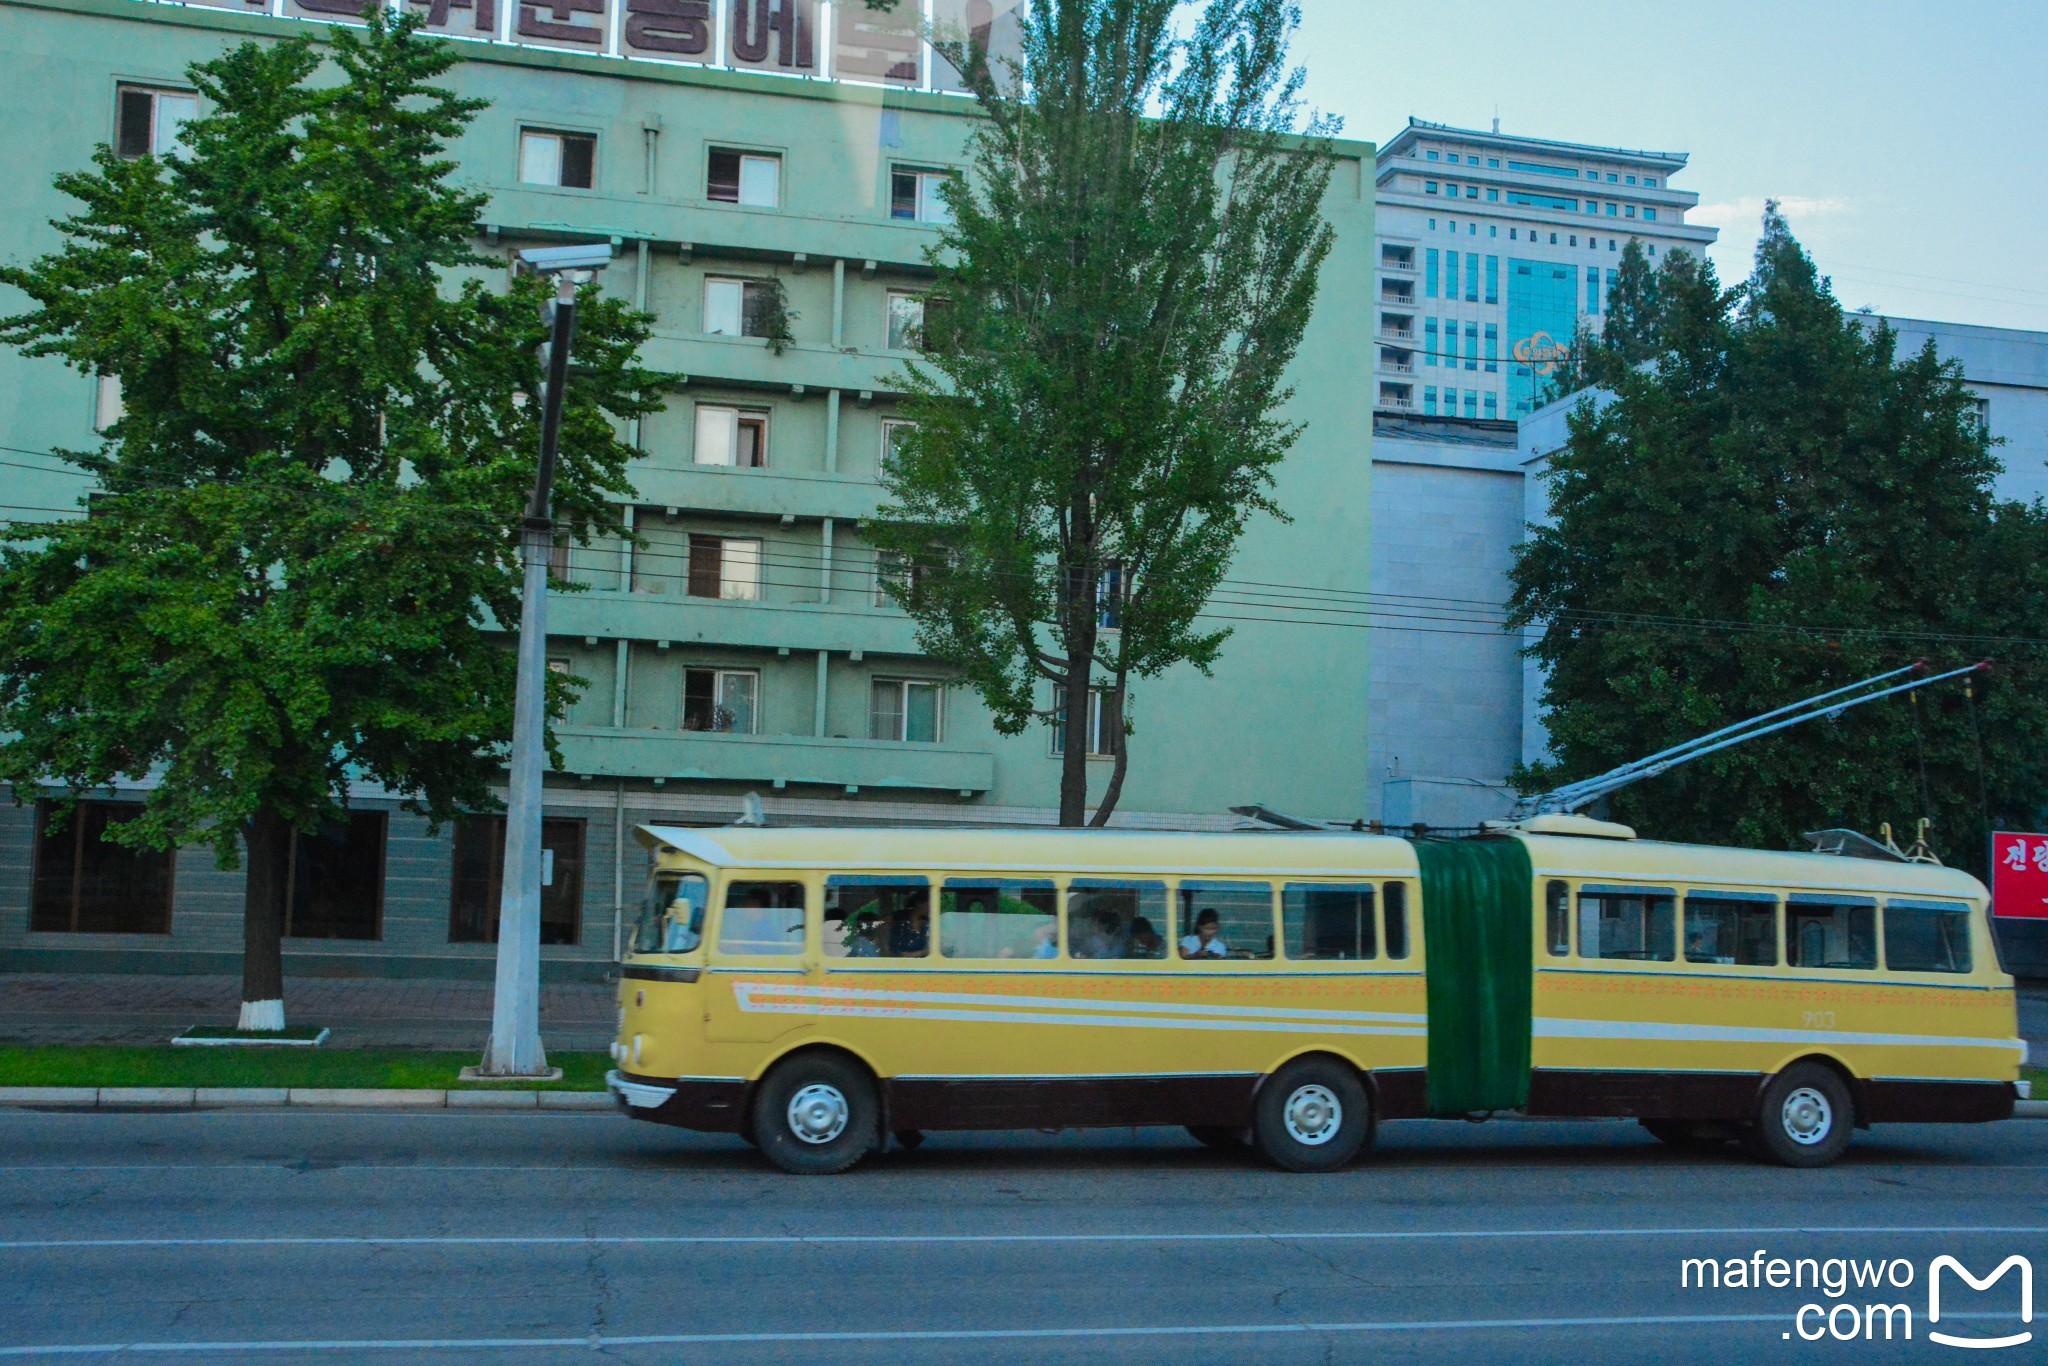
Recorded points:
(1479,963)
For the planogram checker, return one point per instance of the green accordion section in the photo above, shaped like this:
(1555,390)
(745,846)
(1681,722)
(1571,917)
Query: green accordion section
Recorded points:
(1477,923)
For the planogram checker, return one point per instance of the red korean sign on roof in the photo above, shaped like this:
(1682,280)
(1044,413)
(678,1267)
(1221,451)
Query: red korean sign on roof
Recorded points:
(2019,876)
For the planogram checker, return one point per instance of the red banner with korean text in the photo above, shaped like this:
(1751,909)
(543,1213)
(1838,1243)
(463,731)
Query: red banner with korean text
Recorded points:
(2019,876)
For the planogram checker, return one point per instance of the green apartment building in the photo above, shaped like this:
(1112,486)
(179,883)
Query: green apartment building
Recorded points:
(744,646)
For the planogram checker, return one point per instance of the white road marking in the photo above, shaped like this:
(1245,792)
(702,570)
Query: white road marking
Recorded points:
(595,1341)
(984,1239)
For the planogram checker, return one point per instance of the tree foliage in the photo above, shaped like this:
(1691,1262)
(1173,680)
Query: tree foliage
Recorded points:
(1126,277)
(299,540)
(1766,502)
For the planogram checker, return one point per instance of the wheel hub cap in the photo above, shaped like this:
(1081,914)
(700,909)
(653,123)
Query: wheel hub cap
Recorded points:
(818,1114)
(1808,1116)
(1313,1115)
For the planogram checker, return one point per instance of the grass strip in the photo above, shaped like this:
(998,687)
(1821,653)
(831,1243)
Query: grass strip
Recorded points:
(365,1067)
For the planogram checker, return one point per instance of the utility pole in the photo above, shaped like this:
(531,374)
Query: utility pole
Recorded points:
(515,1048)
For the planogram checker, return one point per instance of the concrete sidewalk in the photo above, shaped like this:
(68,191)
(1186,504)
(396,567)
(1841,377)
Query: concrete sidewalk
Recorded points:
(118,1008)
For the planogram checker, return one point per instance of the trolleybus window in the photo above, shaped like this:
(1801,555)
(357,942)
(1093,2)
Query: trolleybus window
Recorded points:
(1107,919)
(991,918)
(1395,895)
(1216,920)
(762,919)
(1731,927)
(1557,919)
(1637,923)
(1330,922)
(672,917)
(877,917)
(1831,932)
(1926,936)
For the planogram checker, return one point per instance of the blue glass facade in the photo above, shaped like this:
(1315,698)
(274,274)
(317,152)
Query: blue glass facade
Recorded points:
(1429,270)
(1542,315)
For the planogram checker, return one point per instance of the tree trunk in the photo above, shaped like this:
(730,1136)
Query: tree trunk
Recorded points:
(267,841)
(1115,790)
(1079,644)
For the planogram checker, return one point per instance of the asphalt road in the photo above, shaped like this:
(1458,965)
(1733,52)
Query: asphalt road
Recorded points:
(442,1237)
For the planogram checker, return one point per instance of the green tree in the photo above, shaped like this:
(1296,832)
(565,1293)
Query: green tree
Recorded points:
(299,542)
(1778,504)
(1127,275)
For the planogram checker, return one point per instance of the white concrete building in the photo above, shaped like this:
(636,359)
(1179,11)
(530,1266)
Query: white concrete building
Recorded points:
(1493,249)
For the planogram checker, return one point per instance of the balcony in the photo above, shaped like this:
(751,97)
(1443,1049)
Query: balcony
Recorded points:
(704,756)
(793,489)
(1397,364)
(842,625)
(1397,329)
(1398,399)
(1398,292)
(1405,264)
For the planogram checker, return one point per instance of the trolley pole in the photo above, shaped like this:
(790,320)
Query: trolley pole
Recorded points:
(515,1047)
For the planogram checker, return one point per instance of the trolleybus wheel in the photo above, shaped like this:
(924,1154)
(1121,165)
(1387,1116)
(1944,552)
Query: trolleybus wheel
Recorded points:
(815,1115)
(1313,1115)
(1221,1137)
(1686,1135)
(1806,1118)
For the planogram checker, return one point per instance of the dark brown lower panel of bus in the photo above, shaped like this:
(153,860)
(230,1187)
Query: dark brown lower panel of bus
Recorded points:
(708,1105)
(1068,1102)
(1735,1095)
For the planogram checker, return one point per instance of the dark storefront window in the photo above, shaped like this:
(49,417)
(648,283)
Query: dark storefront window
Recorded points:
(84,885)
(333,879)
(479,881)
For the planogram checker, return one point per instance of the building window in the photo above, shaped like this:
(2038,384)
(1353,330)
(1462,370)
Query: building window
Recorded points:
(558,569)
(905,710)
(1471,346)
(1492,348)
(1613,210)
(1492,404)
(1451,343)
(916,196)
(550,158)
(1429,187)
(735,437)
(1493,279)
(753,179)
(1629,211)
(1493,196)
(1429,400)
(1471,277)
(1493,163)
(891,570)
(1978,415)
(906,321)
(1105,727)
(1429,341)
(1430,155)
(1471,192)
(1612,178)
(1592,289)
(332,880)
(1451,189)
(739,308)
(1649,182)
(720,700)
(894,430)
(148,122)
(1649,215)
(725,567)
(479,880)
(1112,591)
(84,885)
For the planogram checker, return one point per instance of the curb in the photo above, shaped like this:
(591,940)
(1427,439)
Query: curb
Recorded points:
(2030,1109)
(300,1097)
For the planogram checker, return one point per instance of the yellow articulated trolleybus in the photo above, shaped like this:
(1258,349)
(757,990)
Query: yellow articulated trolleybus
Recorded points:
(816,991)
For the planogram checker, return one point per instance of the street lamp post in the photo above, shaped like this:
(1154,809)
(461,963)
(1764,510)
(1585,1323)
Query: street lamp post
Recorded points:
(515,1048)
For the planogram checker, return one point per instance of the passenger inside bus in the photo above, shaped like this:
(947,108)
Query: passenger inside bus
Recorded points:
(1206,941)
(1116,922)
(881,919)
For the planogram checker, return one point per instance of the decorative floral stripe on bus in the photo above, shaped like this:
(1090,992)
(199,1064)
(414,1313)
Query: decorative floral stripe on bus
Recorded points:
(777,998)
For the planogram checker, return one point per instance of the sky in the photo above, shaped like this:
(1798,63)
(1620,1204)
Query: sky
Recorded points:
(1903,138)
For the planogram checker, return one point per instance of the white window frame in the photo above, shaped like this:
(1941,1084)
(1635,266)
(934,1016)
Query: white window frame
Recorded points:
(889,339)
(903,687)
(532,158)
(734,418)
(889,568)
(760,178)
(928,204)
(719,681)
(731,587)
(1097,698)
(739,318)
(160,144)
(890,427)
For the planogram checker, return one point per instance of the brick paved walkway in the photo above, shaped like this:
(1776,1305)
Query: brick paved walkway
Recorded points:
(115,1008)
